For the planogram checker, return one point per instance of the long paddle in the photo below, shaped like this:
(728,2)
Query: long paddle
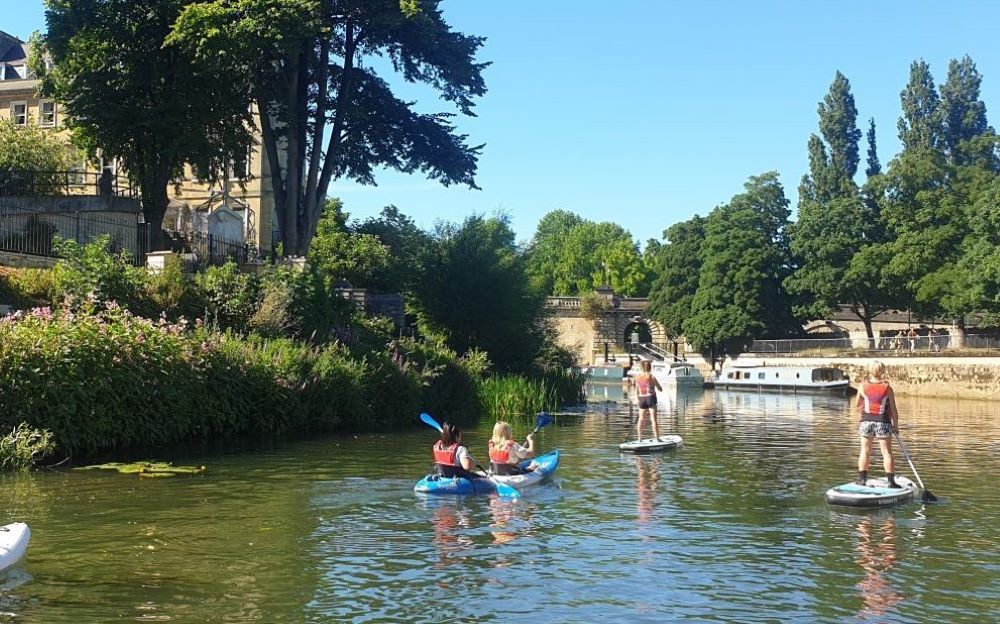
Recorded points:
(507,491)
(542,420)
(926,495)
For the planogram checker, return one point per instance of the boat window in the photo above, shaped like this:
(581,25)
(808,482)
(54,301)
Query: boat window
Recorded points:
(776,375)
(760,375)
(729,375)
(746,375)
(827,374)
(796,375)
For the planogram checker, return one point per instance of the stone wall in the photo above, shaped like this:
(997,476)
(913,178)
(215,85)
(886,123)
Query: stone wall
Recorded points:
(944,377)
(577,335)
(26,261)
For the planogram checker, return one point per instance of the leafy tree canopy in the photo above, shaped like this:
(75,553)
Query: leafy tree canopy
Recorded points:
(310,65)
(474,293)
(152,106)
(572,256)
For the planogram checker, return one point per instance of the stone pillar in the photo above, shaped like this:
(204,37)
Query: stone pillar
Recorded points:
(156,261)
(859,339)
(956,337)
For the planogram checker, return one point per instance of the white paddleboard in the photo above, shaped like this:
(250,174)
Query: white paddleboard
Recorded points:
(874,493)
(13,543)
(652,445)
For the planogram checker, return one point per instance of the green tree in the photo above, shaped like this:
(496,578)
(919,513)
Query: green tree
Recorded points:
(834,155)
(153,107)
(360,259)
(963,117)
(30,159)
(545,250)
(570,255)
(311,67)
(874,166)
(838,123)
(677,272)
(745,260)
(977,273)
(406,243)
(837,228)
(474,293)
(920,124)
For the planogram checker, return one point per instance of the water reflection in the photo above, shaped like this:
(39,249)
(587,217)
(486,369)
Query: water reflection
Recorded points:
(608,392)
(450,518)
(877,555)
(646,485)
(502,512)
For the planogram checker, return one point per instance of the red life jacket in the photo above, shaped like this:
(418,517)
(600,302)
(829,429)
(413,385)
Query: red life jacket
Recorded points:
(876,401)
(501,454)
(445,455)
(644,385)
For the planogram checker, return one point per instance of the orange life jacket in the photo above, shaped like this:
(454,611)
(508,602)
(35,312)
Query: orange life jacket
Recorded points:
(445,455)
(644,385)
(876,401)
(500,454)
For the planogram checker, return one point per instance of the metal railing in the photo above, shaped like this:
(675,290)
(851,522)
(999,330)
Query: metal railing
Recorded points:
(27,183)
(890,345)
(210,249)
(31,232)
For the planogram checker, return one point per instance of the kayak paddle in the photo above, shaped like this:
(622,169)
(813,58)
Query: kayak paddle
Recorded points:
(430,421)
(926,495)
(507,491)
(542,420)
(503,489)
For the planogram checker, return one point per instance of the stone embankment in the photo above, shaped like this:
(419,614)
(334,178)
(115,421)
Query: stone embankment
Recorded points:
(971,377)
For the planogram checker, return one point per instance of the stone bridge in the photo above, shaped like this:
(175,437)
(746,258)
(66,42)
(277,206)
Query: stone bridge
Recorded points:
(625,319)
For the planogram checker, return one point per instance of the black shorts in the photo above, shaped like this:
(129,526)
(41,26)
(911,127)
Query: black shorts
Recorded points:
(647,402)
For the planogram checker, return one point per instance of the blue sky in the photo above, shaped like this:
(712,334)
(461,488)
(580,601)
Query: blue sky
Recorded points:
(644,112)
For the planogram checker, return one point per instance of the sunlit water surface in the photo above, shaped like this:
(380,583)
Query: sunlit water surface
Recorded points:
(733,527)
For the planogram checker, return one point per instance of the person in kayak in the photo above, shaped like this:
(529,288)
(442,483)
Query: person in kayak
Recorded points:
(879,420)
(645,389)
(451,458)
(505,453)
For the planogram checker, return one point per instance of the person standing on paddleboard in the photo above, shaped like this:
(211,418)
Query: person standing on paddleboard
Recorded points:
(645,389)
(879,420)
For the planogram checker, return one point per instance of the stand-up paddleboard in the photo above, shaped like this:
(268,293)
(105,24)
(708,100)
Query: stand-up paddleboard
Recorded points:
(13,542)
(652,445)
(875,493)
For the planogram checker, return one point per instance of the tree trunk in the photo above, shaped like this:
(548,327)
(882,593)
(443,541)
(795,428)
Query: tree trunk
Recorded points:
(155,200)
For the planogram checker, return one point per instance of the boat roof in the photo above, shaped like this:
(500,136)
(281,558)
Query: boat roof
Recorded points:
(777,367)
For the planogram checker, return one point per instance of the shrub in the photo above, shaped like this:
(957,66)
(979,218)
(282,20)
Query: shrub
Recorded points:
(23,446)
(230,296)
(93,272)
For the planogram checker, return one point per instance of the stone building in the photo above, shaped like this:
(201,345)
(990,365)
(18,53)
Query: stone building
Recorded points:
(192,202)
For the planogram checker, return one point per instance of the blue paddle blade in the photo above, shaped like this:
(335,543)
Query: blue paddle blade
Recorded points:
(543,420)
(430,421)
(506,491)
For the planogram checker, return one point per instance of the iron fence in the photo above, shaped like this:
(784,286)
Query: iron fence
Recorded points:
(31,232)
(27,183)
(929,343)
(209,249)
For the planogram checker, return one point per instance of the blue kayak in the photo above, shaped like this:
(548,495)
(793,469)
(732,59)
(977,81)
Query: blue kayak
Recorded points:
(544,466)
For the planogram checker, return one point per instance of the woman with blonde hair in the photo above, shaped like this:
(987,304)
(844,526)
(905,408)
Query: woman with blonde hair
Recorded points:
(646,386)
(879,420)
(505,453)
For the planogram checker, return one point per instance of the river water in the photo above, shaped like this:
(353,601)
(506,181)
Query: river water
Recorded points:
(733,527)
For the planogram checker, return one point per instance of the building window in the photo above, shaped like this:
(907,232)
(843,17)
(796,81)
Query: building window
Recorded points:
(19,113)
(46,113)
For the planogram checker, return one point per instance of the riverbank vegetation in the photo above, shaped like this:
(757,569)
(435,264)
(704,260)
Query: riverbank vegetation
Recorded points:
(114,357)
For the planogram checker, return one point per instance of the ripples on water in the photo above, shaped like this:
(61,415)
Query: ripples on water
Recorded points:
(731,528)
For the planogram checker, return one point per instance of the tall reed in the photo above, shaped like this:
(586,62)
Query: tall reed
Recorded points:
(508,397)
